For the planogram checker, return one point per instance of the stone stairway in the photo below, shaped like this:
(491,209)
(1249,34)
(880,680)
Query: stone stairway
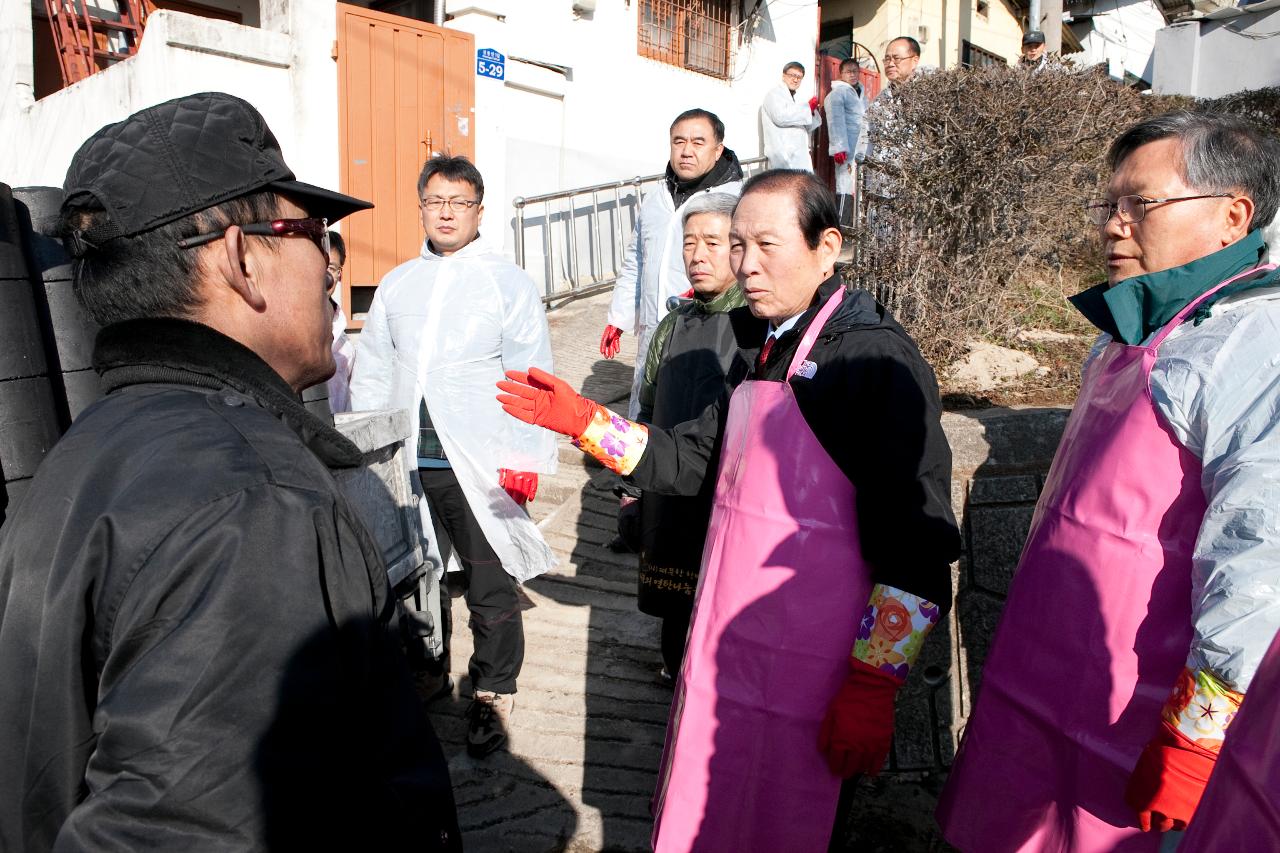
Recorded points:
(586,738)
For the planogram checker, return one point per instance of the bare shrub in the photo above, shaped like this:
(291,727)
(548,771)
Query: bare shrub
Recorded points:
(979,229)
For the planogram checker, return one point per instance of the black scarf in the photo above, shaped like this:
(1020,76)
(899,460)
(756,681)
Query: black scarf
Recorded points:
(725,169)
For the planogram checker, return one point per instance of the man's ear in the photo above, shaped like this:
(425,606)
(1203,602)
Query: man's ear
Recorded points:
(240,269)
(1239,215)
(829,245)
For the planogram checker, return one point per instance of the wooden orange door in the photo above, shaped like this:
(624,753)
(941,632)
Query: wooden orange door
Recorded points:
(406,90)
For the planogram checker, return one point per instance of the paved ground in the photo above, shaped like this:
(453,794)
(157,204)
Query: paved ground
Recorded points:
(590,714)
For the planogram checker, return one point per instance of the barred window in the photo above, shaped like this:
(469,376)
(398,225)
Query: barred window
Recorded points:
(692,34)
(973,56)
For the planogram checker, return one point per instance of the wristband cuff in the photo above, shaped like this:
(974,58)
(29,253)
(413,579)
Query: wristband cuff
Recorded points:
(893,629)
(614,441)
(1201,708)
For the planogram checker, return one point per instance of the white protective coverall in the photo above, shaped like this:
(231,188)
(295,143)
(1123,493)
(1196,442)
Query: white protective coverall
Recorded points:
(846,108)
(652,272)
(447,328)
(786,124)
(1217,387)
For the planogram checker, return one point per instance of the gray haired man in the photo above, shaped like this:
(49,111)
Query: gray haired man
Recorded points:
(1153,561)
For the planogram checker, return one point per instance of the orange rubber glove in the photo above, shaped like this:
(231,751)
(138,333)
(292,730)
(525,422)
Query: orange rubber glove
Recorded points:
(858,730)
(539,398)
(1166,786)
(840,157)
(521,485)
(610,341)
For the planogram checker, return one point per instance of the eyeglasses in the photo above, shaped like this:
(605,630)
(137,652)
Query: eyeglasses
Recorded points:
(794,75)
(1133,208)
(890,59)
(317,230)
(435,202)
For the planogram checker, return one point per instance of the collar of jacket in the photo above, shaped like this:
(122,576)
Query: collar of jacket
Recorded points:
(858,309)
(726,169)
(1135,307)
(182,352)
(733,297)
(475,247)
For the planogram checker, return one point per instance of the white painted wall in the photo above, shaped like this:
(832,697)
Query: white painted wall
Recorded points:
(284,70)
(1121,34)
(540,131)
(1210,58)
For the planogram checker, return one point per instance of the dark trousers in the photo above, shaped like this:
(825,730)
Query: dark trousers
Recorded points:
(675,631)
(497,630)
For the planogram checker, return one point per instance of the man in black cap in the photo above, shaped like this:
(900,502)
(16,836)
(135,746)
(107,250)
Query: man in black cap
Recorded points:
(197,639)
(1033,55)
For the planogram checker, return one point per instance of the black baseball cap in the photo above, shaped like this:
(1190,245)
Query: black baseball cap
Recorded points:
(180,157)
(1033,37)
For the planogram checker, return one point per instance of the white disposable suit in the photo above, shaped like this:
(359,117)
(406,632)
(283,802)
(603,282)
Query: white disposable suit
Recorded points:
(457,324)
(786,124)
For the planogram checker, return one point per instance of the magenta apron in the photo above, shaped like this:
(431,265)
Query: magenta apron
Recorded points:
(1095,631)
(783,584)
(1240,809)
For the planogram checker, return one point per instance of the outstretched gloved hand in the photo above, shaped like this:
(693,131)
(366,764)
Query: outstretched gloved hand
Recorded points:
(610,341)
(813,104)
(539,398)
(1166,786)
(521,485)
(840,157)
(856,733)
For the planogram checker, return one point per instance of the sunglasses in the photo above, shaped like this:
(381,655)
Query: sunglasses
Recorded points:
(314,229)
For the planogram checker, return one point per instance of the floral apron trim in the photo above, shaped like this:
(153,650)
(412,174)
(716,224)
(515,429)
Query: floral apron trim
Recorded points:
(893,630)
(615,441)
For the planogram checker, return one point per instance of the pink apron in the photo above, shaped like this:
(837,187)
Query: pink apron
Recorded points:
(783,584)
(1095,631)
(1240,809)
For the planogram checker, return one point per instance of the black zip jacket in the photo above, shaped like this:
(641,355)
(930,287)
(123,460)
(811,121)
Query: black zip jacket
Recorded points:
(197,640)
(873,405)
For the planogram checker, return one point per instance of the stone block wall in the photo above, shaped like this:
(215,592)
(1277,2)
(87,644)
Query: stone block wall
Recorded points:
(999,461)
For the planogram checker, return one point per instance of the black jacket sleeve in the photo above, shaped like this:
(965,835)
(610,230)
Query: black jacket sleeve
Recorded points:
(678,460)
(878,414)
(252,687)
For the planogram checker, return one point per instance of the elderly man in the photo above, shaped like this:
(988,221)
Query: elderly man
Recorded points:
(826,562)
(653,271)
(1153,561)
(901,59)
(442,328)
(846,106)
(786,123)
(697,352)
(197,637)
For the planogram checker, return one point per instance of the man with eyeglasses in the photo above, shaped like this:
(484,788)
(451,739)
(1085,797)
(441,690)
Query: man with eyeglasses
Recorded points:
(786,124)
(198,643)
(901,58)
(1146,594)
(441,330)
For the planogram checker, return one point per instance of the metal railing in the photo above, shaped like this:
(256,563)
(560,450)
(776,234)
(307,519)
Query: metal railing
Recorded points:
(603,216)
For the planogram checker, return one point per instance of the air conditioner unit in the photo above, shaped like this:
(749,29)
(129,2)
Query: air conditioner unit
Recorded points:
(584,7)
(922,35)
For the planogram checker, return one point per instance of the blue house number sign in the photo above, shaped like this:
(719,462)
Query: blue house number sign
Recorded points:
(490,63)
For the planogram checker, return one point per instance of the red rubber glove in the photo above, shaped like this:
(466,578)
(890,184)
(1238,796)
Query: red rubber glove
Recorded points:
(813,104)
(858,729)
(610,341)
(521,485)
(544,400)
(1166,785)
(840,157)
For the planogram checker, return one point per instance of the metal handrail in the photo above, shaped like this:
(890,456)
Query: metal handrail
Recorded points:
(600,277)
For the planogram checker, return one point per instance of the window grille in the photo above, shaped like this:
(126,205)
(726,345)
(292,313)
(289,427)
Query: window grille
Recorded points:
(692,34)
(973,56)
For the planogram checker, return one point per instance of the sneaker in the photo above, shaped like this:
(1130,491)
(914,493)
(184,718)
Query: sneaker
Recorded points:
(487,720)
